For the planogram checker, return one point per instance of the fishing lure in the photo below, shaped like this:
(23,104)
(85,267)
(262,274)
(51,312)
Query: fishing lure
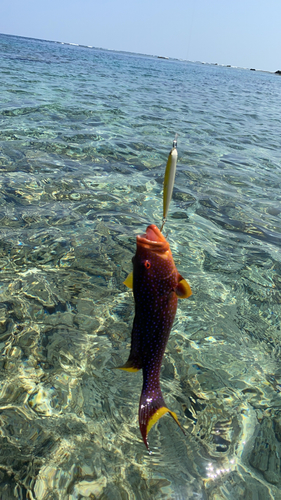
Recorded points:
(169,180)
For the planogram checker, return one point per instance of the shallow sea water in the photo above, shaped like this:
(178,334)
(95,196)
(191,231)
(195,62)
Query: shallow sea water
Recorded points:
(84,139)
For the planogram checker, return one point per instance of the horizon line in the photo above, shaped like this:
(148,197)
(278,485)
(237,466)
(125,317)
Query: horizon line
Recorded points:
(140,53)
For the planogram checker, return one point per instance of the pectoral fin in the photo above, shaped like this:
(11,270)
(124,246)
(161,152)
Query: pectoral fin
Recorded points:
(129,280)
(183,290)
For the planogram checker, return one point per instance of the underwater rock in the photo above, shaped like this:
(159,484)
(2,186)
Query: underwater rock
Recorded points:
(28,340)
(277,427)
(218,430)
(114,491)
(39,290)
(179,215)
(239,485)
(3,320)
(265,456)
(7,485)
(89,488)
(20,465)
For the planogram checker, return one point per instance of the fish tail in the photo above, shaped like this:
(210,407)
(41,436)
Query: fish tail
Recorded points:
(152,407)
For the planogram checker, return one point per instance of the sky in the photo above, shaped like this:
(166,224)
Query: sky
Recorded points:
(243,33)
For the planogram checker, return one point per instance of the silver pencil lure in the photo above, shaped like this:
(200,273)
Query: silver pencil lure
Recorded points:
(169,180)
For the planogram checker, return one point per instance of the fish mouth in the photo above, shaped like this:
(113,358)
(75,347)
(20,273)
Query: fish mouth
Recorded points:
(153,239)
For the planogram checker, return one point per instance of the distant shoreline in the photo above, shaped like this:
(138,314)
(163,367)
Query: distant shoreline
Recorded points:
(278,72)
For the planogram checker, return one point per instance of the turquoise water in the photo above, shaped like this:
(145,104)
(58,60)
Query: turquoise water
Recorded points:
(85,135)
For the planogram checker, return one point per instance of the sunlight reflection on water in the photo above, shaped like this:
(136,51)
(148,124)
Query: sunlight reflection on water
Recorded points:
(82,174)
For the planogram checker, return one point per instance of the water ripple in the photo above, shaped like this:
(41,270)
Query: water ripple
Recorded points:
(84,140)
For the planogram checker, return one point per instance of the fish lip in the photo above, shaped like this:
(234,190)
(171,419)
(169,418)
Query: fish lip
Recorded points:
(158,245)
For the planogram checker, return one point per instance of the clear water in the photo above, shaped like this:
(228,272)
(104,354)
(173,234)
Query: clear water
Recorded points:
(85,135)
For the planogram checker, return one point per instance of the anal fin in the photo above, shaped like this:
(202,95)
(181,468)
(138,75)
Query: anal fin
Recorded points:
(129,366)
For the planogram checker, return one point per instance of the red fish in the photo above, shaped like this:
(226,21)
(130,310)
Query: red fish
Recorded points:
(156,286)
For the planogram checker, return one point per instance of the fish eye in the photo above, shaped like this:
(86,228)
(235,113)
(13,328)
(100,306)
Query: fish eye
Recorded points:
(147,264)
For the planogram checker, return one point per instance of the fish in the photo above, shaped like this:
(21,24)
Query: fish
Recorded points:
(156,285)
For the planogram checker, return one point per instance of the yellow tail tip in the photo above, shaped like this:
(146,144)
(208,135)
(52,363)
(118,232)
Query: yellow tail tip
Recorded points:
(160,413)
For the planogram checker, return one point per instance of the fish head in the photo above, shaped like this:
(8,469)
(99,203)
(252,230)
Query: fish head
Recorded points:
(153,260)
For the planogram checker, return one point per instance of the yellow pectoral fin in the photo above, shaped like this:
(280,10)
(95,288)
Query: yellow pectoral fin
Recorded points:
(129,280)
(183,290)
